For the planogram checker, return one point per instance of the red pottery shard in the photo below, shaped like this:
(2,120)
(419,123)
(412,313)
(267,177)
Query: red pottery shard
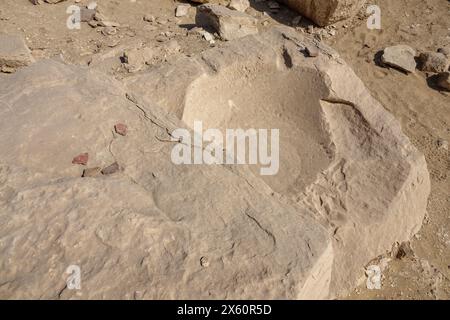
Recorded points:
(81,159)
(121,129)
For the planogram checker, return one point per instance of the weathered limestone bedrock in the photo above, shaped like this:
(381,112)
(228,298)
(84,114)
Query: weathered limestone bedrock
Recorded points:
(343,157)
(350,183)
(325,12)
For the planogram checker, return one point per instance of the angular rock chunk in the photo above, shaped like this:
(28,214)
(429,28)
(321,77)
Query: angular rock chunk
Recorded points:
(400,57)
(91,172)
(14,53)
(182,10)
(229,24)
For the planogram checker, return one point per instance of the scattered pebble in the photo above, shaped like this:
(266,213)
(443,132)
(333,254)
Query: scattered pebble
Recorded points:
(442,144)
(204,262)
(149,18)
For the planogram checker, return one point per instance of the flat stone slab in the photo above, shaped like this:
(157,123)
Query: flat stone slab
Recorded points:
(350,183)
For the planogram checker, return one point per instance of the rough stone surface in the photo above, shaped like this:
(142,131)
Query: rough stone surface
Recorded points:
(14,53)
(400,57)
(200,95)
(229,24)
(306,233)
(325,12)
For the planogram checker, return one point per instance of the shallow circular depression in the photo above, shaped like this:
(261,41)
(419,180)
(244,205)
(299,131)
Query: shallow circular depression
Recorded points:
(269,98)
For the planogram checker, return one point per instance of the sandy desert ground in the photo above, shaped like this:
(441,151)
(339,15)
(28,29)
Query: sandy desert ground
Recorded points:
(418,269)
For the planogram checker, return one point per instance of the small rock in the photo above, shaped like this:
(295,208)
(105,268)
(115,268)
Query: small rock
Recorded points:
(442,144)
(445,51)
(111,169)
(135,59)
(121,129)
(373,273)
(312,51)
(433,62)
(204,262)
(81,159)
(149,18)
(108,24)
(102,21)
(109,31)
(182,10)
(6,69)
(229,24)
(93,23)
(404,250)
(400,57)
(161,20)
(239,5)
(91,172)
(443,80)
(172,47)
(14,53)
(86,14)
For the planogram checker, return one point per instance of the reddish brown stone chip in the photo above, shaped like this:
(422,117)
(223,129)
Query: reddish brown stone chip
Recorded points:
(121,129)
(81,159)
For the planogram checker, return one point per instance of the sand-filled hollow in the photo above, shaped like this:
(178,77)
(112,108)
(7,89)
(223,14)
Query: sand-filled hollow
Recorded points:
(268,98)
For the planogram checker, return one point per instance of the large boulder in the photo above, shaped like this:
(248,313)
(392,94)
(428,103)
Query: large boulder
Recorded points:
(152,230)
(343,157)
(325,12)
(350,183)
